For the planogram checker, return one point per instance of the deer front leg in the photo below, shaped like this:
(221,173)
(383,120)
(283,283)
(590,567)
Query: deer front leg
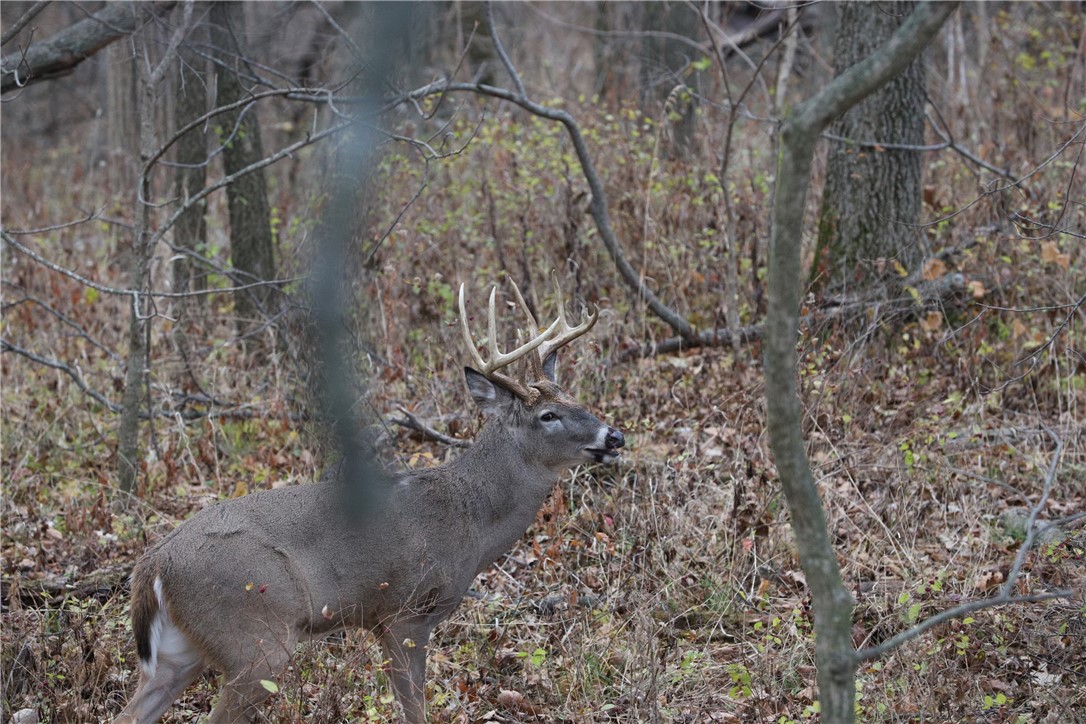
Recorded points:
(404,643)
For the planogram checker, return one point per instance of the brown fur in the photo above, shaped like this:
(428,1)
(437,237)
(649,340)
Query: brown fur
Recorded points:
(144,606)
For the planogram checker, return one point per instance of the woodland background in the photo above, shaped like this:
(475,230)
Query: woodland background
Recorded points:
(942,380)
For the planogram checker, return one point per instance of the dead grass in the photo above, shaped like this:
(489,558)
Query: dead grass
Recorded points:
(664,589)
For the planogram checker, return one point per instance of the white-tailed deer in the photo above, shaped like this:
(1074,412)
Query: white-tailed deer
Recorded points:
(238,585)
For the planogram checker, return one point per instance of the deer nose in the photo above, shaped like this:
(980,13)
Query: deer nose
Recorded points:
(615,439)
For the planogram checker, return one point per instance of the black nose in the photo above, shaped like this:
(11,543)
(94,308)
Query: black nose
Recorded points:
(615,439)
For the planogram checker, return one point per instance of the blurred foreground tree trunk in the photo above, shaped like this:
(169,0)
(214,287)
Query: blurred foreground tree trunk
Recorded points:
(871,200)
(251,246)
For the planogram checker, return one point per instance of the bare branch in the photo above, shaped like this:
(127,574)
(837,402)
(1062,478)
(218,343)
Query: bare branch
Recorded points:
(58,365)
(1034,511)
(60,54)
(79,330)
(23,20)
(501,51)
(890,644)
(135,294)
(411,422)
(598,204)
(227,180)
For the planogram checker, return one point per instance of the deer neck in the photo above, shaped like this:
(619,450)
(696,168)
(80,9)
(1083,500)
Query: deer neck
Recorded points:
(509,485)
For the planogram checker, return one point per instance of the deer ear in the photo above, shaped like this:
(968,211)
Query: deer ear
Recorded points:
(490,396)
(549,365)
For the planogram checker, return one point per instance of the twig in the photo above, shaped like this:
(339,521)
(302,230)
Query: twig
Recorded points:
(135,293)
(892,643)
(1034,511)
(719,337)
(58,365)
(411,422)
(1004,597)
(66,320)
(23,20)
(598,204)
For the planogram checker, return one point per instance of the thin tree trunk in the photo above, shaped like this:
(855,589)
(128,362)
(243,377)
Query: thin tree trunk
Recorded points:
(872,196)
(190,231)
(136,369)
(251,244)
(832,604)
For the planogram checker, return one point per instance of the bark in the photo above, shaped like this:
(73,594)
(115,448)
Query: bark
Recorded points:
(251,245)
(135,379)
(832,604)
(663,70)
(190,176)
(190,232)
(59,54)
(872,197)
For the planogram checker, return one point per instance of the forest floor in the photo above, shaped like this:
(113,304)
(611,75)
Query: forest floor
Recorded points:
(664,588)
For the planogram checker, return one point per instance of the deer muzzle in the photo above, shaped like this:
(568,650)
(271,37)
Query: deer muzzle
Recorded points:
(608,452)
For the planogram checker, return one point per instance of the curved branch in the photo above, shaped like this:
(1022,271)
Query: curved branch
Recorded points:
(597,206)
(23,20)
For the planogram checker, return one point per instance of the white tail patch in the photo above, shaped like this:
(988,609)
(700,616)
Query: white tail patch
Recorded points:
(168,643)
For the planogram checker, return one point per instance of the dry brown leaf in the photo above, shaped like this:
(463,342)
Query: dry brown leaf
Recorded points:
(976,287)
(1050,254)
(932,321)
(988,580)
(934,269)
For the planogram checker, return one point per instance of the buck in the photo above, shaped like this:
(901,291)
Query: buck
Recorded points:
(238,585)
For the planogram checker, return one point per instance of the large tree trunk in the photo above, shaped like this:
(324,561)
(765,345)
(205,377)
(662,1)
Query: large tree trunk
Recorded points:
(872,196)
(250,218)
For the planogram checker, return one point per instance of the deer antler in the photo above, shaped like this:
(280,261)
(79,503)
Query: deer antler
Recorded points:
(536,349)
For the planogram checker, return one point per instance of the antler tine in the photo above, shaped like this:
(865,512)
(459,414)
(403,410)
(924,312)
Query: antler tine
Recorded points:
(498,359)
(567,333)
(476,358)
(533,328)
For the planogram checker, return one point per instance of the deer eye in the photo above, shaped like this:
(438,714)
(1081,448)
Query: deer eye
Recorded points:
(548,416)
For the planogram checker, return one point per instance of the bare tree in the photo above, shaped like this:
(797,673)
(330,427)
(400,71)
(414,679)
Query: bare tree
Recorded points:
(832,602)
(150,82)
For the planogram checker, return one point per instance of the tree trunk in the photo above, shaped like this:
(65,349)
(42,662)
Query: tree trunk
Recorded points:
(831,603)
(190,176)
(664,70)
(137,362)
(871,200)
(250,218)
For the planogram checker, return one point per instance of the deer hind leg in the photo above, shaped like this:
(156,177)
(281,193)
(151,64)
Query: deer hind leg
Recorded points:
(173,671)
(245,672)
(405,645)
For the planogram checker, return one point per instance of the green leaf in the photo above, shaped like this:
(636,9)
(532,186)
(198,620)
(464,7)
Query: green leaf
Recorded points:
(270,685)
